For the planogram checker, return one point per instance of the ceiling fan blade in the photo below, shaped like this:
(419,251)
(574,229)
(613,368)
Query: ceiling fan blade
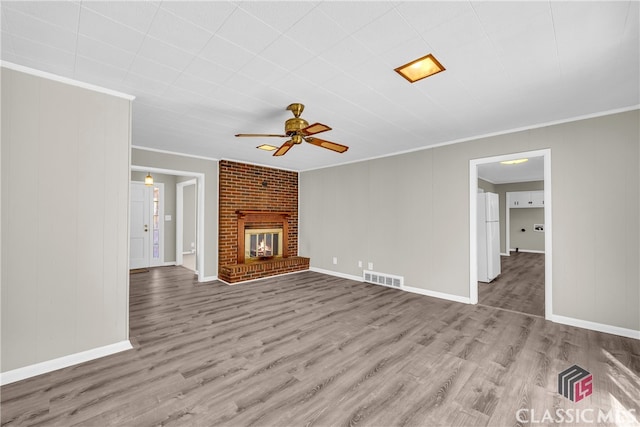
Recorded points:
(284,148)
(327,144)
(314,128)
(261,134)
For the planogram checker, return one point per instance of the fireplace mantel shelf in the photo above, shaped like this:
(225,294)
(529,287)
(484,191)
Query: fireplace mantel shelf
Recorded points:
(262,215)
(245,212)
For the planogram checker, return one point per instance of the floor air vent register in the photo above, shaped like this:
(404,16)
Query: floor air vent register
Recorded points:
(383,279)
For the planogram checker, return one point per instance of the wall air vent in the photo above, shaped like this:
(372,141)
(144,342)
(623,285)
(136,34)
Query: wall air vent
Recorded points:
(383,279)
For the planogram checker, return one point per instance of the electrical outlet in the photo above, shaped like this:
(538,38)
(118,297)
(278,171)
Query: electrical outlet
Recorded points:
(360,264)
(335,260)
(370,265)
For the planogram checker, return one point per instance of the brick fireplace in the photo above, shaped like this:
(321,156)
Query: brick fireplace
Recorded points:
(259,201)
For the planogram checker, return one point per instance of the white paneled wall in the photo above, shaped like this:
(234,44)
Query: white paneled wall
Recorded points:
(65,174)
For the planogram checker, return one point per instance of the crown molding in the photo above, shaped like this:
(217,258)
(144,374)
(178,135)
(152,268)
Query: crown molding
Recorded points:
(174,153)
(488,135)
(66,80)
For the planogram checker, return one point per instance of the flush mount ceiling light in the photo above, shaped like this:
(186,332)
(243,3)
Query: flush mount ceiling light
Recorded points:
(420,68)
(267,147)
(514,162)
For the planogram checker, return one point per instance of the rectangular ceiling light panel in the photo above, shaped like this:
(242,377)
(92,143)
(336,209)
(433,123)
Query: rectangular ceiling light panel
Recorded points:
(420,68)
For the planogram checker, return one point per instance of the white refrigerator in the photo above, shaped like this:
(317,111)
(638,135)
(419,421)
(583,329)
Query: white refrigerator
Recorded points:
(488,237)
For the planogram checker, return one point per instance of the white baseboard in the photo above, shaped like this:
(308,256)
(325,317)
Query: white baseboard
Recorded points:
(62,362)
(441,295)
(337,274)
(207,278)
(411,289)
(600,327)
(530,251)
(615,330)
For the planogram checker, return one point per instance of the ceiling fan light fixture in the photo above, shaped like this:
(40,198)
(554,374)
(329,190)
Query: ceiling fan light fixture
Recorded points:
(420,68)
(297,130)
(514,162)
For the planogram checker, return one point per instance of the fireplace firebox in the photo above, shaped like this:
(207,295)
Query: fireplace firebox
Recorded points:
(262,243)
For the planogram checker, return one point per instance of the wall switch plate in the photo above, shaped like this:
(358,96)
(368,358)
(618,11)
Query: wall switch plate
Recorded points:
(167,217)
(370,265)
(335,260)
(360,264)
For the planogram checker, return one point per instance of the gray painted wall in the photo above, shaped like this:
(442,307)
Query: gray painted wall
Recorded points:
(209,168)
(65,198)
(523,218)
(487,186)
(409,215)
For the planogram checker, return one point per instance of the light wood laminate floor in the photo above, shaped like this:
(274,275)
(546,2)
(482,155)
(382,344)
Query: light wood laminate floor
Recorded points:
(520,286)
(310,349)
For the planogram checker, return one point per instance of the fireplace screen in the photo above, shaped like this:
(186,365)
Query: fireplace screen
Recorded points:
(263,243)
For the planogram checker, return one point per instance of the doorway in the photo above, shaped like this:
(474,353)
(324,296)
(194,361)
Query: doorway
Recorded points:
(186,224)
(510,261)
(174,177)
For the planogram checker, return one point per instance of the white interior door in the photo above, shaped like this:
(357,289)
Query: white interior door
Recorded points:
(139,252)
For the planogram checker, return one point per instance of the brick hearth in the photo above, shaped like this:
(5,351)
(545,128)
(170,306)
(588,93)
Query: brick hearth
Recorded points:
(258,269)
(245,187)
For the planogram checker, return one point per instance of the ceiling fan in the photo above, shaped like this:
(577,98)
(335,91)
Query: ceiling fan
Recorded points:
(298,129)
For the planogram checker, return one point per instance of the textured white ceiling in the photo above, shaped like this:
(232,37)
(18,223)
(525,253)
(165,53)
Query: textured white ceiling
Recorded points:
(204,71)
(497,173)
